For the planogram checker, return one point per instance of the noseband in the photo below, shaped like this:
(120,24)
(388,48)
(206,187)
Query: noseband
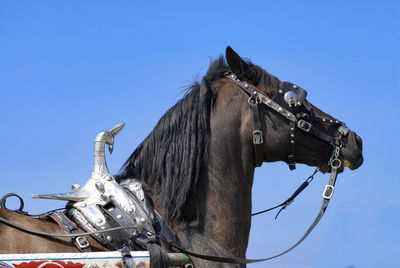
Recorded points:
(291,104)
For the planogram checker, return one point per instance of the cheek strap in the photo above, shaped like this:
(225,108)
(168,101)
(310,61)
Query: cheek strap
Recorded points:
(257,131)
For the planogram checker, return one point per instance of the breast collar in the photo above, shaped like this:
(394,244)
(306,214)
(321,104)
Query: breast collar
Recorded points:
(287,103)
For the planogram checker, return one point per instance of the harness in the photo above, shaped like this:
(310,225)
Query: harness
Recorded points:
(122,230)
(138,226)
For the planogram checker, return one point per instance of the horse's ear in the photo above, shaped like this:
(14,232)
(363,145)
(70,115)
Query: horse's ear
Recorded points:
(237,65)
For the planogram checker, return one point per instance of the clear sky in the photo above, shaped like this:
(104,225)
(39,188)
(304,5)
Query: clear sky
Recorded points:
(70,69)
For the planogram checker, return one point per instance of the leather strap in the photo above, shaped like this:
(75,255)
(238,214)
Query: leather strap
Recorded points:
(257,133)
(126,258)
(21,201)
(309,128)
(292,146)
(290,200)
(70,227)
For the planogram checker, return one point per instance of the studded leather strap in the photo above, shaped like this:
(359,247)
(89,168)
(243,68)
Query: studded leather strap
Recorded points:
(69,227)
(257,133)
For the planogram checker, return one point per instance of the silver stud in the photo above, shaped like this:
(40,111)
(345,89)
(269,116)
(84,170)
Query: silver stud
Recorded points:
(109,238)
(75,187)
(337,121)
(269,102)
(292,141)
(246,85)
(323,119)
(119,216)
(294,86)
(99,220)
(291,129)
(83,205)
(143,220)
(102,228)
(331,121)
(109,178)
(280,109)
(111,209)
(238,80)
(149,234)
(233,76)
(280,91)
(129,210)
(298,103)
(292,135)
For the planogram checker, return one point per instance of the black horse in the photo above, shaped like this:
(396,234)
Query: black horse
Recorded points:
(200,158)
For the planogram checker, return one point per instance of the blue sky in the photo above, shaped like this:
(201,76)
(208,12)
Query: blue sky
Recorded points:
(70,69)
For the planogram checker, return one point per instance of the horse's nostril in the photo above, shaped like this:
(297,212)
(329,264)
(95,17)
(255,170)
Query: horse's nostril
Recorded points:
(358,141)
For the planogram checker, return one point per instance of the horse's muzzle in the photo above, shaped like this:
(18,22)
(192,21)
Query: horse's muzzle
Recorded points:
(352,151)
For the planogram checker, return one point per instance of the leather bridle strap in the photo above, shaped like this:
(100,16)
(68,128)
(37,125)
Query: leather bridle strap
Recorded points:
(309,128)
(290,200)
(257,132)
(292,147)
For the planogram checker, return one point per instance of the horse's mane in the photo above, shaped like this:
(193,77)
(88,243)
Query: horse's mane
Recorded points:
(171,158)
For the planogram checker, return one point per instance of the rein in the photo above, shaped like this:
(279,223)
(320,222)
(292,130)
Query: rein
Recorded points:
(290,200)
(334,162)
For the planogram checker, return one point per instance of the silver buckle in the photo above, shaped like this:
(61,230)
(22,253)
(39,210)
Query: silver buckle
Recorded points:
(304,125)
(84,243)
(343,130)
(328,192)
(257,137)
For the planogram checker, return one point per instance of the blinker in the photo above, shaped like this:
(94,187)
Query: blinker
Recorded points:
(293,95)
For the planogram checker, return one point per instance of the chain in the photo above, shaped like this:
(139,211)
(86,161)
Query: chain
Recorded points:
(334,161)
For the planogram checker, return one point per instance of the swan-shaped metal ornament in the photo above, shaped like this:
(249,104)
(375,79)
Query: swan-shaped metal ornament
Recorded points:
(101,187)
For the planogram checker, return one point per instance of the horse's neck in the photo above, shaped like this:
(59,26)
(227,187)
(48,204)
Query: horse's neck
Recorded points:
(224,194)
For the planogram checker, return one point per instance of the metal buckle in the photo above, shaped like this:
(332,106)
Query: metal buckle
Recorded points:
(257,137)
(304,125)
(84,243)
(343,130)
(328,192)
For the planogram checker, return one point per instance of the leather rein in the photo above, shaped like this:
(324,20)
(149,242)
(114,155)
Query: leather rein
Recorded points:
(292,96)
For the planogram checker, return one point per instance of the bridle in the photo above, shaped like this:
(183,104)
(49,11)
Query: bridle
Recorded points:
(287,103)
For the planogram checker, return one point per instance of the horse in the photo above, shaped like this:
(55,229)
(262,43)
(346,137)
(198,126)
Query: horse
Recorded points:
(198,162)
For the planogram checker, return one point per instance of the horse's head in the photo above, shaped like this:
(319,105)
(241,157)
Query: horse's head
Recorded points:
(293,130)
